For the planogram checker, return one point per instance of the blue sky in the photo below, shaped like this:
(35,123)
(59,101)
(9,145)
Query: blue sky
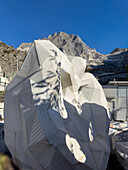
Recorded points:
(101,24)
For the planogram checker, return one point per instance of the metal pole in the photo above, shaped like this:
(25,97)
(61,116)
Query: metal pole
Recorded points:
(126,103)
(17,64)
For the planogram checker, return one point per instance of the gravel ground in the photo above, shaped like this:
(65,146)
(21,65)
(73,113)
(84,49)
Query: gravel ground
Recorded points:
(113,163)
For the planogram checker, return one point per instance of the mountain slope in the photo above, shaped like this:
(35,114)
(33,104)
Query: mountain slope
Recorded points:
(105,67)
(10,59)
(71,45)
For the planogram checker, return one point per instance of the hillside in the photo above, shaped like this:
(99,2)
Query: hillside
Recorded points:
(10,59)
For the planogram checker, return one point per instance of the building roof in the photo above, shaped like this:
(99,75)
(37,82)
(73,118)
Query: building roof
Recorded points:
(121,83)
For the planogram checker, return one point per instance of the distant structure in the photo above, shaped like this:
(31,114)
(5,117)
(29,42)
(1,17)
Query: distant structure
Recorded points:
(116,93)
(3,84)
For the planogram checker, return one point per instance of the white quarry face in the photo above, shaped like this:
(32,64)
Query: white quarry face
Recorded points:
(55,113)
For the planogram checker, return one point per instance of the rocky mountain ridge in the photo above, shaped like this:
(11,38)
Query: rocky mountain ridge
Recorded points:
(104,67)
(72,45)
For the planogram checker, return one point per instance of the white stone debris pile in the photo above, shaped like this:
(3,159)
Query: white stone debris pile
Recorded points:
(56,114)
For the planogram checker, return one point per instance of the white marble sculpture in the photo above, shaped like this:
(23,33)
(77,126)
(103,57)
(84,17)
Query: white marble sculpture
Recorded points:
(56,114)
